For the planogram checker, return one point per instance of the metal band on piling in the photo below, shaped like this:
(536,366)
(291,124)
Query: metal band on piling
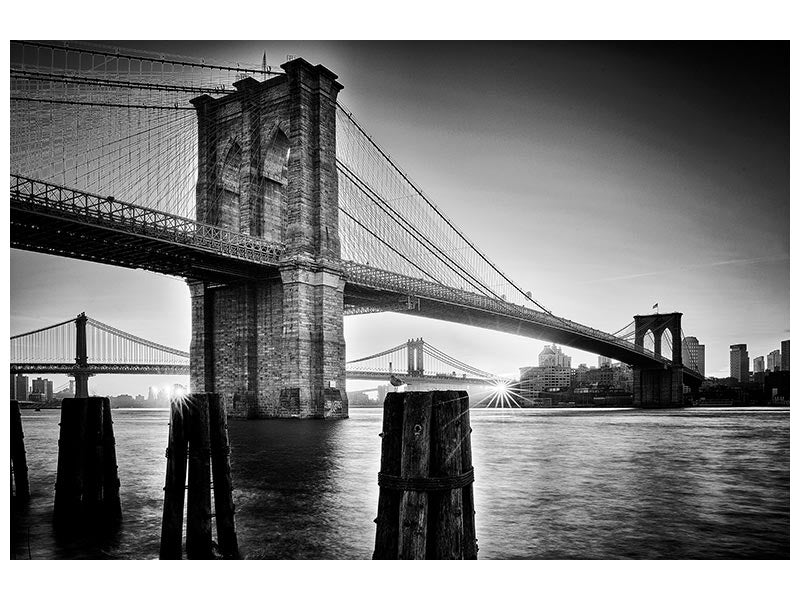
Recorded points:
(426,484)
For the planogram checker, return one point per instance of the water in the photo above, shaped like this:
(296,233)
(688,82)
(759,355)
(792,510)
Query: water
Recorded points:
(560,483)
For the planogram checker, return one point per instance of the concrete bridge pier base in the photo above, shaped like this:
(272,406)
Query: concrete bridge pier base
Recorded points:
(660,387)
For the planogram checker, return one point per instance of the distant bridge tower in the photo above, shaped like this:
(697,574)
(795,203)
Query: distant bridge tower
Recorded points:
(416,361)
(81,372)
(267,167)
(658,387)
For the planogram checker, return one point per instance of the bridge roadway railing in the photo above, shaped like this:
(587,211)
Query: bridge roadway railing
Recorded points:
(101,368)
(403,284)
(89,208)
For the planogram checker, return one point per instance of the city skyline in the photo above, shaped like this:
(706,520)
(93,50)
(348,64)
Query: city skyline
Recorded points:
(550,156)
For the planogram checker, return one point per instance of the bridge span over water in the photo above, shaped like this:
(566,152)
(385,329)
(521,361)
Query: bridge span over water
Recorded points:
(83,347)
(283,214)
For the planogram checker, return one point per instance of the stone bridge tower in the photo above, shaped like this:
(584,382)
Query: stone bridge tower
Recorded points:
(267,168)
(658,387)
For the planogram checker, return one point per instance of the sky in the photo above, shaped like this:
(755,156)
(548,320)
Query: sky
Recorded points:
(605,177)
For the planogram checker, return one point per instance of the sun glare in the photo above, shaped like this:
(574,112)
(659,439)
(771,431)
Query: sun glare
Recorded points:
(502,396)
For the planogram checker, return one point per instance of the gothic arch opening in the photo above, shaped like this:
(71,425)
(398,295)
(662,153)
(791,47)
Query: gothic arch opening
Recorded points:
(270,202)
(649,341)
(666,344)
(229,201)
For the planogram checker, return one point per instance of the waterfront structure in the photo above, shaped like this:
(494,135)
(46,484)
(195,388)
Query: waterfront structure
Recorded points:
(785,355)
(740,363)
(553,356)
(20,387)
(541,379)
(603,361)
(774,361)
(694,354)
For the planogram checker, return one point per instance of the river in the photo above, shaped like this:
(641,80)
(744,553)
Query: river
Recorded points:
(697,483)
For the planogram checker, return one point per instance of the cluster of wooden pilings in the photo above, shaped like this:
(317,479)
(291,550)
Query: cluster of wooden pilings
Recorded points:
(198,433)
(19,463)
(426,506)
(87,483)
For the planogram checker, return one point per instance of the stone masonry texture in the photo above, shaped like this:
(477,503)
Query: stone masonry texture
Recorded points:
(273,348)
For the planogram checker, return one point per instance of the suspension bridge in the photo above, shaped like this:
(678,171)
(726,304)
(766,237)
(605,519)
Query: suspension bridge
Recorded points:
(83,347)
(283,214)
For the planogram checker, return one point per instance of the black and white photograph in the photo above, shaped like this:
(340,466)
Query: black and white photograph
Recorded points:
(398,299)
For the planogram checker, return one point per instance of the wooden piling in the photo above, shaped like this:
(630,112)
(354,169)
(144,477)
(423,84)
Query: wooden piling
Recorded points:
(387,532)
(415,464)
(175,486)
(447,526)
(198,501)
(111,500)
(92,449)
(467,498)
(87,485)
(69,470)
(19,461)
(426,472)
(198,422)
(223,483)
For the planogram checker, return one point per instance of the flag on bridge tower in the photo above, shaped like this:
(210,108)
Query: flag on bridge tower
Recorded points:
(656,306)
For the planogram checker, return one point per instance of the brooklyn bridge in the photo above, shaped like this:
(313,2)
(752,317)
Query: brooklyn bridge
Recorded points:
(282,213)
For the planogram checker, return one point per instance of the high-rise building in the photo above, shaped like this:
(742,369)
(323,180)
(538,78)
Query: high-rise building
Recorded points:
(758,364)
(43,387)
(21,388)
(774,361)
(694,354)
(740,363)
(785,355)
(552,356)
(603,361)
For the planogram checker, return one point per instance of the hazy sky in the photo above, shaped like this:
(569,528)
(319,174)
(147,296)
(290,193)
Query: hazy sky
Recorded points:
(603,177)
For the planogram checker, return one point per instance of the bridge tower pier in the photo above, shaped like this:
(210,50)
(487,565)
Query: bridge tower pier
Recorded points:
(81,372)
(267,167)
(659,387)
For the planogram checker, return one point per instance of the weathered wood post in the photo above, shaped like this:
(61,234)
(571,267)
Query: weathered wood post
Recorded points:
(468,498)
(221,472)
(425,506)
(198,430)
(112,504)
(87,486)
(69,470)
(19,462)
(388,520)
(175,486)
(198,495)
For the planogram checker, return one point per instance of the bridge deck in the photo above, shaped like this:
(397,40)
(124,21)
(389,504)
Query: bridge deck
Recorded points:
(368,286)
(56,220)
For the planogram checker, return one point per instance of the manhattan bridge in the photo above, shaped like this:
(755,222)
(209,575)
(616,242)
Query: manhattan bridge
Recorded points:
(282,213)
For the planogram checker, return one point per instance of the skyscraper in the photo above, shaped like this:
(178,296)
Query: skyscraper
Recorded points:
(694,354)
(758,364)
(21,386)
(740,363)
(552,356)
(774,361)
(785,355)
